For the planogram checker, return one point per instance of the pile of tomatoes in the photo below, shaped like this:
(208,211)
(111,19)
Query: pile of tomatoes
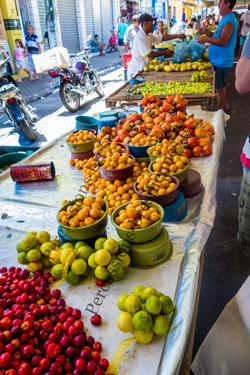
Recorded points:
(164,120)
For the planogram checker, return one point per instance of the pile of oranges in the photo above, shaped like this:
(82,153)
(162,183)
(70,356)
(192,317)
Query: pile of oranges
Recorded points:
(170,164)
(152,184)
(142,140)
(137,215)
(165,147)
(83,213)
(116,161)
(106,148)
(80,137)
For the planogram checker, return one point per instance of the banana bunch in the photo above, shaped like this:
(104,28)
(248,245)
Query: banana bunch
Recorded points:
(165,45)
(199,77)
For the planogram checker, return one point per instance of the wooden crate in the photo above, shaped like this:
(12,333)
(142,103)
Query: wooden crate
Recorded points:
(121,97)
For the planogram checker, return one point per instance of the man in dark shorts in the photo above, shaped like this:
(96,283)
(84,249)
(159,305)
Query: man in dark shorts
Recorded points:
(221,49)
(122,27)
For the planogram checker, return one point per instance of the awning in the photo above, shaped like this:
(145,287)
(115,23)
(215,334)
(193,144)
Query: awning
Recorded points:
(189,3)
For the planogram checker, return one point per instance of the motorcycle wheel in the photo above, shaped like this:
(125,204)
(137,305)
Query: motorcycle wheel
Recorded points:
(116,47)
(99,89)
(25,126)
(109,49)
(70,100)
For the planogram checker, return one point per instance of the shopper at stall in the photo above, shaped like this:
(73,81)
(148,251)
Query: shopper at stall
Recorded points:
(131,32)
(160,30)
(244,28)
(143,42)
(191,23)
(122,27)
(242,85)
(32,47)
(221,49)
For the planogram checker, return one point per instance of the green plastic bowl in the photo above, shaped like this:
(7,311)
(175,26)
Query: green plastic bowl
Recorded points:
(81,147)
(90,231)
(182,176)
(139,235)
(143,160)
(154,157)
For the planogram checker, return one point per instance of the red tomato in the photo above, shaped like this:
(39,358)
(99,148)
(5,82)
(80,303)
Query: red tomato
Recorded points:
(192,142)
(196,151)
(187,152)
(207,150)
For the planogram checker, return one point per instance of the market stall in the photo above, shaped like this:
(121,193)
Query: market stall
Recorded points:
(34,206)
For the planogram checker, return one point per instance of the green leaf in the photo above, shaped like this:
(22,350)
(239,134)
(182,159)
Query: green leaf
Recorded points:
(20,221)
(9,235)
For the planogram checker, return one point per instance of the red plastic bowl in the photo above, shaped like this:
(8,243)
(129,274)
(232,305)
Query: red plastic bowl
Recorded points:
(162,199)
(121,144)
(83,155)
(117,174)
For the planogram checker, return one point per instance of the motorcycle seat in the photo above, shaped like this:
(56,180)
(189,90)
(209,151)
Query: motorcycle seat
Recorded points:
(73,70)
(8,87)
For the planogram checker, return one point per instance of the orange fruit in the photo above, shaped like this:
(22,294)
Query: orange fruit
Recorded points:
(155,216)
(61,215)
(94,213)
(82,215)
(88,221)
(89,201)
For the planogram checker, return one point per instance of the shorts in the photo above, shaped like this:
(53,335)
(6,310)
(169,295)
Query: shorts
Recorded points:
(242,40)
(120,42)
(31,64)
(243,235)
(95,49)
(221,75)
(20,64)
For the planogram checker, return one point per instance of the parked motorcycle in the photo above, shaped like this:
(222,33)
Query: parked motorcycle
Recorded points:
(77,81)
(21,115)
(112,44)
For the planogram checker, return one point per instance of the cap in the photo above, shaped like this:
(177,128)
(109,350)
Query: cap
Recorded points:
(145,18)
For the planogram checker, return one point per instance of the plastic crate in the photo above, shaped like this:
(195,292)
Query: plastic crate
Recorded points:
(126,57)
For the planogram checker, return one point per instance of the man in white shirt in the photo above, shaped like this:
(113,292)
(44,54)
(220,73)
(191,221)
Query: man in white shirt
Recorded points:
(244,28)
(143,44)
(131,32)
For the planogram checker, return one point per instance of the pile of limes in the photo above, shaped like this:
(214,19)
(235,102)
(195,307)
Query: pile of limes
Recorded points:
(35,250)
(108,259)
(144,313)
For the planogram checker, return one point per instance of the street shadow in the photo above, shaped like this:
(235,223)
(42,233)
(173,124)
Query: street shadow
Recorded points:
(83,107)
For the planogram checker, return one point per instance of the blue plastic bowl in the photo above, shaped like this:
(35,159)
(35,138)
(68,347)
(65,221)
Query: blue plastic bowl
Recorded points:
(108,114)
(109,121)
(139,151)
(86,122)
(63,238)
(175,211)
(125,113)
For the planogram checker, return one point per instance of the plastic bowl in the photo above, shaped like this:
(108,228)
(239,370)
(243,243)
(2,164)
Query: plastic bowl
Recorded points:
(182,176)
(175,211)
(120,144)
(139,151)
(83,155)
(84,233)
(82,147)
(12,157)
(162,199)
(117,174)
(139,235)
(142,160)
(154,157)
(86,122)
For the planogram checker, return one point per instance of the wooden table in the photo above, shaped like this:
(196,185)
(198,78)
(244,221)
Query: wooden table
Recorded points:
(121,97)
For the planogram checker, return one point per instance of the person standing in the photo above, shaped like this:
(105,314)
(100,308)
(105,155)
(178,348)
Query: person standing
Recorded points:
(121,33)
(160,30)
(173,20)
(244,28)
(221,49)
(32,47)
(20,55)
(143,42)
(131,32)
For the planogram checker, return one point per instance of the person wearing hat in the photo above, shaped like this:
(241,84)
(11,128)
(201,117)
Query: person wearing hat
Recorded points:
(143,44)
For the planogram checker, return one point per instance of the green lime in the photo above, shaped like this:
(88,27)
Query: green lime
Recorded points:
(80,244)
(86,273)
(125,258)
(72,279)
(79,266)
(124,246)
(138,290)
(132,304)
(153,305)
(120,302)
(55,244)
(55,256)
(68,256)
(46,248)
(142,321)
(46,262)
(124,322)
(147,292)
(143,306)
(33,255)
(161,325)
(67,245)
(101,273)
(22,257)
(28,242)
(115,268)
(91,261)
(99,243)
(159,294)
(111,245)
(84,252)
(18,247)
(167,305)
(33,267)
(43,236)
(102,257)
(33,233)
(144,337)
(57,271)
(119,276)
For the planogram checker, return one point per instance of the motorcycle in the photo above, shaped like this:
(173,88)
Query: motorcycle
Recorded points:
(112,44)
(77,81)
(21,116)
